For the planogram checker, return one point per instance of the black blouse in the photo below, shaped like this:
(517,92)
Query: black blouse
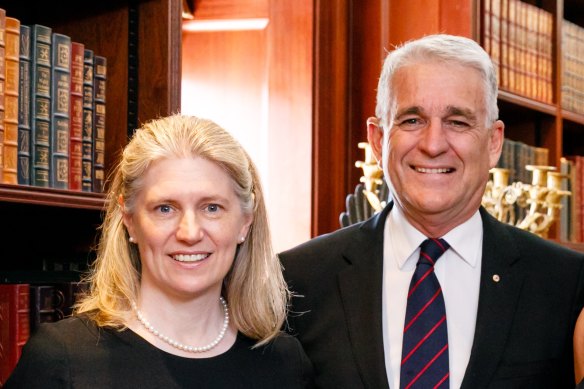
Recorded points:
(75,353)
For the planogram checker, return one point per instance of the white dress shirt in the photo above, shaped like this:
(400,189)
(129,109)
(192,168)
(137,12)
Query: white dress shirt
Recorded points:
(458,271)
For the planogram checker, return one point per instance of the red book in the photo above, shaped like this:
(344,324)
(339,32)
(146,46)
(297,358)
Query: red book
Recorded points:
(76,116)
(14,325)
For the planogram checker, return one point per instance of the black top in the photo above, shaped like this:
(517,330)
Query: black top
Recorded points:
(75,353)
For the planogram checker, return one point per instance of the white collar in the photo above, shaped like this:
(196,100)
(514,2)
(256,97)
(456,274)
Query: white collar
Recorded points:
(465,239)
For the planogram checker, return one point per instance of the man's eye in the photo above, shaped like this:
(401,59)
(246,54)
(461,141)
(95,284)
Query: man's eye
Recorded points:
(212,208)
(410,121)
(457,124)
(410,124)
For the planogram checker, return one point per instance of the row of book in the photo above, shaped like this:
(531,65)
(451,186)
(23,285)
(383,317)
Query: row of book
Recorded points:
(23,307)
(518,36)
(572,67)
(52,109)
(516,155)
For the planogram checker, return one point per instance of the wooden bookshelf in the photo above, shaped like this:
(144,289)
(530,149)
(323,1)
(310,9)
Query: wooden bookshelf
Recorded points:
(48,234)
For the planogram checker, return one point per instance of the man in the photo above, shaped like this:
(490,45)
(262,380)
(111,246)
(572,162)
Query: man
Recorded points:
(508,299)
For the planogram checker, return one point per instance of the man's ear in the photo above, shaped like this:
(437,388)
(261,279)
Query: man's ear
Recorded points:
(496,142)
(375,137)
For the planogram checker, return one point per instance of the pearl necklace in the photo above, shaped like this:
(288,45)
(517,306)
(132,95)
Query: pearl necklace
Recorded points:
(179,345)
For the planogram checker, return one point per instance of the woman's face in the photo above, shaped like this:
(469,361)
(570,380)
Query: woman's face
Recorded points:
(187,222)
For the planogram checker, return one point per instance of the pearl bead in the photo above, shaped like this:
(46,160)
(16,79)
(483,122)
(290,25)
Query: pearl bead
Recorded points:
(181,346)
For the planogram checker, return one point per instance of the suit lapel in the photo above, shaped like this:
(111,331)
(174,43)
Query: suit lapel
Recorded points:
(499,292)
(360,287)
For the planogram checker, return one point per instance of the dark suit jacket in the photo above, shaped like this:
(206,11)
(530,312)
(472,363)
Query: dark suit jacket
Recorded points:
(525,322)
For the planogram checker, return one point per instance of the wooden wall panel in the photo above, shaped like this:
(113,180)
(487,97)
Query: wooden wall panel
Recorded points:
(411,19)
(230,9)
(290,115)
(350,45)
(368,48)
(331,113)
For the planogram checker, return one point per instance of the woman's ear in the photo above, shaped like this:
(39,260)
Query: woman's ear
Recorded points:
(126,217)
(246,226)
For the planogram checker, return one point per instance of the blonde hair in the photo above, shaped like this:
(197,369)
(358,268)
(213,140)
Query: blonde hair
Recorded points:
(254,287)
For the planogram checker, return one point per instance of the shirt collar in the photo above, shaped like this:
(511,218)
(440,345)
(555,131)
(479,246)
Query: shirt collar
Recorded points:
(465,239)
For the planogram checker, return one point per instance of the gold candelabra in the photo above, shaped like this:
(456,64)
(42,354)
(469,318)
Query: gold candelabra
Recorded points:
(533,207)
(372,177)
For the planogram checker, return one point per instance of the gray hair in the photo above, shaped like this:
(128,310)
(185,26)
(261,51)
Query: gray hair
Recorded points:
(439,47)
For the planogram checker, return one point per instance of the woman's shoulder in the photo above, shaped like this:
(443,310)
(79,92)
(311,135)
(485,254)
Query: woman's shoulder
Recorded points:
(282,344)
(285,354)
(71,328)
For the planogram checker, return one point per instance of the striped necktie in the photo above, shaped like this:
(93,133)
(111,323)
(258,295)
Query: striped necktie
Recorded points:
(425,339)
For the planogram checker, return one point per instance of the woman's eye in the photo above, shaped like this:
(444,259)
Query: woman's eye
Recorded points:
(164,208)
(212,208)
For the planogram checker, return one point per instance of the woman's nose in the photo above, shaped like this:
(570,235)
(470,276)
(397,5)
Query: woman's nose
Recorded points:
(189,228)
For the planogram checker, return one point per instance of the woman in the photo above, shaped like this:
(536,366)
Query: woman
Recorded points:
(185,291)
(579,351)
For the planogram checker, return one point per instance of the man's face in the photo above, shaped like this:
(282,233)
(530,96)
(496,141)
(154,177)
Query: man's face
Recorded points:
(438,152)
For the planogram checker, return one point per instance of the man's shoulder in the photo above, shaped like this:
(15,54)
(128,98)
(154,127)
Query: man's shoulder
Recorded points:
(534,245)
(325,254)
(328,243)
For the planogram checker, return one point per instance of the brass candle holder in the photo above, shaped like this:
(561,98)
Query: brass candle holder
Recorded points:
(372,177)
(537,203)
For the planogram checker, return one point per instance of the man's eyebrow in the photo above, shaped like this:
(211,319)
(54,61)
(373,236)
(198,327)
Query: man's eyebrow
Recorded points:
(415,110)
(458,111)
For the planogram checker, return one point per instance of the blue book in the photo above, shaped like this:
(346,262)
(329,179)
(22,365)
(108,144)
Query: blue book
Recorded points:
(40,107)
(60,107)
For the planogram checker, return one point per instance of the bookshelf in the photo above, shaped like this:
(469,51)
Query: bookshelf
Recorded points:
(48,234)
(544,122)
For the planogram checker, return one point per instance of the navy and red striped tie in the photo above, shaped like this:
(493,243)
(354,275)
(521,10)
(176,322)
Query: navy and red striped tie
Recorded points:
(425,340)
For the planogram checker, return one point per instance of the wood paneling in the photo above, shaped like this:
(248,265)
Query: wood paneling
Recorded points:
(290,118)
(413,19)
(331,114)
(230,9)
(161,40)
(367,50)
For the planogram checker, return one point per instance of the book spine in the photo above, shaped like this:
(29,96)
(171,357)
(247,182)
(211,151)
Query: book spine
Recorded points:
(505,74)
(24,107)
(99,95)
(40,109)
(11,79)
(60,107)
(76,116)
(496,36)
(87,136)
(2,86)
(14,326)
